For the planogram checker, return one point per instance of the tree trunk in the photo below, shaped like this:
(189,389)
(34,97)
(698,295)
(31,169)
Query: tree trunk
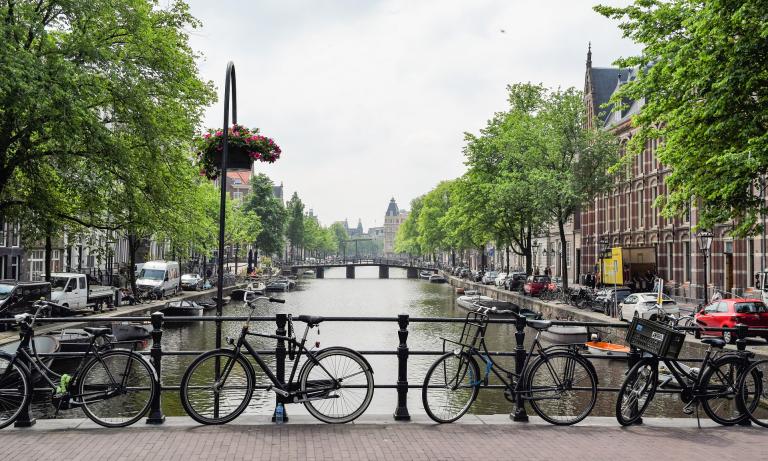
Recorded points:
(563,252)
(528,255)
(48,251)
(132,249)
(507,249)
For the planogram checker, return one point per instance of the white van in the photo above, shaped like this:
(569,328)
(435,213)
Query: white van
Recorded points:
(161,277)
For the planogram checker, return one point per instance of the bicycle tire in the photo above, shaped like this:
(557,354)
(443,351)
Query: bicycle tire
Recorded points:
(351,398)
(725,409)
(757,371)
(198,396)
(637,391)
(450,372)
(568,373)
(15,390)
(129,404)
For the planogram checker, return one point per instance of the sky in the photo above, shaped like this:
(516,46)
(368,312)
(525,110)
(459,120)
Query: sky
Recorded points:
(370,99)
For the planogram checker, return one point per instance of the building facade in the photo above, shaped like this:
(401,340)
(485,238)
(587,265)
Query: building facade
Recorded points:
(626,216)
(393,218)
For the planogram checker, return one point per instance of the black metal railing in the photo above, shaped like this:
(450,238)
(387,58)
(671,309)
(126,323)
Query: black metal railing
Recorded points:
(403,321)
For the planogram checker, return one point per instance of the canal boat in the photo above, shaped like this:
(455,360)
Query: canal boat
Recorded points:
(254,288)
(183,308)
(77,341)
(425,275)
(606,348)
(308,273)
(42,344)
(131,331)
(467,301)
(565,334)
(278,285)
(504,308)
(437,279)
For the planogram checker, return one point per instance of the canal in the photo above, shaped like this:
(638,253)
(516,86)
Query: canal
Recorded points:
(367,295)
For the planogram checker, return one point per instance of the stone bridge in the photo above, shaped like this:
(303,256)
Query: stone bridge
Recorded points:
(412,267)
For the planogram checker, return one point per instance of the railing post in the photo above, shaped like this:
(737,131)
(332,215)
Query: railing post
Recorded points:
(156,415)
(280,353)
(518,413)
(741,344)
(401,411)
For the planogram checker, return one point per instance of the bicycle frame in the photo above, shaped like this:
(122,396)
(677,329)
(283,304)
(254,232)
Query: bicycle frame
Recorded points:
(693,391)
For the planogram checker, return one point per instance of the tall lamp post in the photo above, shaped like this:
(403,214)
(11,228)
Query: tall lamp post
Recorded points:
(705,242)
(603,249)
(535,255)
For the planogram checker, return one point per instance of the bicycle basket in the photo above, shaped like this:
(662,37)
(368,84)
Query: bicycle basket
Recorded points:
(656,338)
(473,331)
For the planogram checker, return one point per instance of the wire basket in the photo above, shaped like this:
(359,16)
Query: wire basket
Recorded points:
(655,338)
(472,333)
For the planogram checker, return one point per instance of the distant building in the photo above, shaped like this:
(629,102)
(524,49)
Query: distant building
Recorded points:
(277,191)
(238,184)
(393,218)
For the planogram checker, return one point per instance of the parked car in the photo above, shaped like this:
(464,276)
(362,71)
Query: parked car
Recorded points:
(643,304)
(604,298)
(535,284)
(464,273)
(515,281)
(77,291)
(726,313)
(159,277)
(191,282)
(18,297)
(499,282)
(489,278)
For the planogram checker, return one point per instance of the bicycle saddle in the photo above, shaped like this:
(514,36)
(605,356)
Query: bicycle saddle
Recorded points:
(539,324)
(98,331)
(714,342)
(311,320)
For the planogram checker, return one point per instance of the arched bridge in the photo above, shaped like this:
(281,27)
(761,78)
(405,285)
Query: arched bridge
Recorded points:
(412,268)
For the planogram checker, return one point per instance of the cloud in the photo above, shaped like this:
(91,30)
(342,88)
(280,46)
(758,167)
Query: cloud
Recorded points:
(370,99)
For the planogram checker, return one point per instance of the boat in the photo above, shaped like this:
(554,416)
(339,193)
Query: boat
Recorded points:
(425,275)
(42,344)
(254,288)
(467,301)
(437,279)
(495,307)
(308,272)
(77,341)
(565,334)
(606,348)
(131,331)
(278,285)
(183,308)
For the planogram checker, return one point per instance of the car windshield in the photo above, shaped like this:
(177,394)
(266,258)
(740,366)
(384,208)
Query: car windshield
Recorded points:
(541,279)
(59,283)
(5,291)
(491,274)
(189,276)
(750,308)
(152,274)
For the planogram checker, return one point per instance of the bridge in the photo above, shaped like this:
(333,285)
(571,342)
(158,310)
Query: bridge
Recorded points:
(412,267)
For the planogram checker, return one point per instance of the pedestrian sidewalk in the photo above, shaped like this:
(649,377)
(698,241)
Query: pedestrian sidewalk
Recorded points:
(372,437)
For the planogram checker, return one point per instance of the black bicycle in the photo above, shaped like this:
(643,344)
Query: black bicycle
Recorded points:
(334,384)
(113,386)
(714,385)
(559,384)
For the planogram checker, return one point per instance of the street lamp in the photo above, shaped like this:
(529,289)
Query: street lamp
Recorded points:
(536,254)
(603,249)
(705,242)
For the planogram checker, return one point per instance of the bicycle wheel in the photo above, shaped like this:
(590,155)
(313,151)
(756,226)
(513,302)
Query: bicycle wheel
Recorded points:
(15,390)
(116,388)
(211,400)
(349,398)
(450,387)
(637,391)
(561,387)
(754,392)
(720,383)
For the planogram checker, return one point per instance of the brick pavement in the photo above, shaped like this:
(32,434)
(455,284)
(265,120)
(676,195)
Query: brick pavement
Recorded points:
(492,439)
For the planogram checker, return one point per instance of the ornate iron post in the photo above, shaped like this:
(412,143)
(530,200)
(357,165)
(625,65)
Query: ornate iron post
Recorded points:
(156,415)
(518,413)
(280,353)
(401,412)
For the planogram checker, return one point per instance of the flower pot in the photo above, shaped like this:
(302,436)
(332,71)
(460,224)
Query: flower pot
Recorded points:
(237,159)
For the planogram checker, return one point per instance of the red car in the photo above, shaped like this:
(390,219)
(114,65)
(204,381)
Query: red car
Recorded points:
(726,313)
(535,284)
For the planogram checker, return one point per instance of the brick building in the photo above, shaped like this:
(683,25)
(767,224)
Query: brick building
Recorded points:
(625,216)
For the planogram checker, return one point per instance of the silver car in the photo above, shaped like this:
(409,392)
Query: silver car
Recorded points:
(644,305)
(191,282)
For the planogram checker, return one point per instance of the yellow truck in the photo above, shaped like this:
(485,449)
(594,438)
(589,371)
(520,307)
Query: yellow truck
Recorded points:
(623,266)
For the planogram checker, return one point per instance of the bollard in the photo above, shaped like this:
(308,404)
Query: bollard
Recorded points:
(741,344)
(632,358)
(401,411)
(519,414)
(280,353)
(25,419)
(156,415)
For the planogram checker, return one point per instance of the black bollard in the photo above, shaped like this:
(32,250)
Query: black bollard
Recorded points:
(518,413)
(401,411)
(280,353)
(156,415)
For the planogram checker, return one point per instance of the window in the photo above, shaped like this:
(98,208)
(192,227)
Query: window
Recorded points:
(640,208)
(36,264)
(670,258)
(15,267)
(3,233)
(81,281)
(687,256)
(722,307)
(3,267)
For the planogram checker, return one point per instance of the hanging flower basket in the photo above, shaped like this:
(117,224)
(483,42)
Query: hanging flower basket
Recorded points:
(245,147)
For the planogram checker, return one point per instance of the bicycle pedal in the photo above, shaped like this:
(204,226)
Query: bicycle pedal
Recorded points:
(688,410)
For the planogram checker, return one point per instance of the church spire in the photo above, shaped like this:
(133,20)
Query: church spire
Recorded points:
(589,55)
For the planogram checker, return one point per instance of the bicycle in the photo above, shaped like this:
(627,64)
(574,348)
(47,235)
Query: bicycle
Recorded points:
(713,385)
(559,384)
(752,388)
(334,384)
(114,387)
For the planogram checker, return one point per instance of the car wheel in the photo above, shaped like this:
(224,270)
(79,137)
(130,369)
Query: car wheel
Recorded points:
(728,337)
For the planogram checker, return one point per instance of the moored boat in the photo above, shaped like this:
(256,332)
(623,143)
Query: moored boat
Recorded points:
(131,331)
(183,308)
(278,285)
(43,344)
(425,275)
(606,348)
(565,334)
(437,279)
(467,301)
(496,307)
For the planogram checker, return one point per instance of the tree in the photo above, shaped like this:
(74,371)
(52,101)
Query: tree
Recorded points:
(407,237)
(340,235)
(294,231)
(271,213)
(703,76)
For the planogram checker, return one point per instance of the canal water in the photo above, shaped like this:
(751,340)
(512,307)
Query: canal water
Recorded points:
(367,295)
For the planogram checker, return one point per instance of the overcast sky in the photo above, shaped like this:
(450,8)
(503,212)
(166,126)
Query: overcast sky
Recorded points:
(370,99)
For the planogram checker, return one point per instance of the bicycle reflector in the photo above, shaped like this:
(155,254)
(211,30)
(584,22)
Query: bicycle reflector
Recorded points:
(230,340)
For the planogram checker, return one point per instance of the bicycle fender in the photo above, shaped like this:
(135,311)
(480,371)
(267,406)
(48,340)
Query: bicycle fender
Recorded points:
(340,348)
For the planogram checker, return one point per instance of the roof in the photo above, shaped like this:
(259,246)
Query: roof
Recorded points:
(605,80)
(243,176)
(392,209)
